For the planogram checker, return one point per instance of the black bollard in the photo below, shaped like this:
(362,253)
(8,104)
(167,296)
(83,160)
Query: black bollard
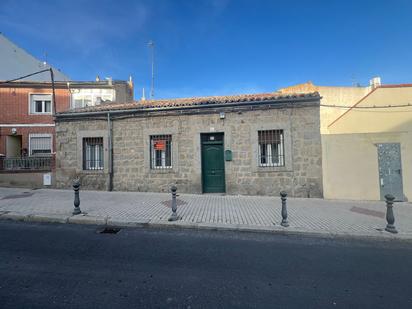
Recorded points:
(390,227)
(174,216)
(284,222)
(76,188)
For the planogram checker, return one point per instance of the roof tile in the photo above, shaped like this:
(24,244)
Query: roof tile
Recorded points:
(195,101)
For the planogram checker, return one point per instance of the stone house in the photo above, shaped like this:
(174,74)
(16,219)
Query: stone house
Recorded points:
(255,144)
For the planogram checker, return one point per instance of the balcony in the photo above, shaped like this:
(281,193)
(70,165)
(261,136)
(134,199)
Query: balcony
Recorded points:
(27,164)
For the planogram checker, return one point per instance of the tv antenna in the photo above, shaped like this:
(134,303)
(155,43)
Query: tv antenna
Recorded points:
(45,58)
(152,46)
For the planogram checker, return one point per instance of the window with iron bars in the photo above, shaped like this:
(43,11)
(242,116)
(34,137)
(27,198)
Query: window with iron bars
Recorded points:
(93,153)
(160,151)
(271,148)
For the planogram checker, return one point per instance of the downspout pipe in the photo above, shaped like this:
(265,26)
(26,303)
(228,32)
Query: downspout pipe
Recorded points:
(110,153)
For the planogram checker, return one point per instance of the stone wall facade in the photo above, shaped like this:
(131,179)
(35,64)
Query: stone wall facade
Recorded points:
(301,176)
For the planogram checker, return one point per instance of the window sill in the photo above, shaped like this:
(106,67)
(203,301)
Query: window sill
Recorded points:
(103,171)
(272,169)
(162,171)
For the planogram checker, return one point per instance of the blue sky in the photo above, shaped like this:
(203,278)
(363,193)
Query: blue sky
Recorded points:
(218,47)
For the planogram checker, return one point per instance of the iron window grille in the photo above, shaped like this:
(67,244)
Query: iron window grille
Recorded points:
(93,153)
(160,151)
(271,148)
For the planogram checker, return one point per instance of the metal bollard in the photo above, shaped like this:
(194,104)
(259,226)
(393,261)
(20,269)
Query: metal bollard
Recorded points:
(390,227)
(174,216)
(76,188)
(284,222)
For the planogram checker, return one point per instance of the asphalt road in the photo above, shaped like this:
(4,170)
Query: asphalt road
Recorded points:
(72,266)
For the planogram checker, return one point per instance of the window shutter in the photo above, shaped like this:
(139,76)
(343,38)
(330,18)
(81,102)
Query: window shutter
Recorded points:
(40,144)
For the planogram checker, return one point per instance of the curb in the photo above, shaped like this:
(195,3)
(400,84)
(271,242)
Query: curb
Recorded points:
(146,223)
(85,219)
(40,218)
(47,218)
(120,222)
(278,230)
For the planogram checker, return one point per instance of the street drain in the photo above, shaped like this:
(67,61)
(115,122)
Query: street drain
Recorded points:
(110,230)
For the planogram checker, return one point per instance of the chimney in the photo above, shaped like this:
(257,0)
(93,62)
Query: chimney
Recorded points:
(375,82)
(143,96)
(130,87)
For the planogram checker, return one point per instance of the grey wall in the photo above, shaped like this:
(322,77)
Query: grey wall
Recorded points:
(301,176)
(24,180)
(124,93)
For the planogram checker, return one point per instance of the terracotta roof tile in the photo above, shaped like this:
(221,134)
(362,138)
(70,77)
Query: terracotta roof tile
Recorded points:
(195,101)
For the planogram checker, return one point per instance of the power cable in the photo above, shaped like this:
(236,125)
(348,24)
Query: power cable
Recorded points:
(367,107)
(25,76)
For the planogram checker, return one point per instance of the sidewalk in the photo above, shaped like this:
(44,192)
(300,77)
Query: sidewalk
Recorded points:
(243,213)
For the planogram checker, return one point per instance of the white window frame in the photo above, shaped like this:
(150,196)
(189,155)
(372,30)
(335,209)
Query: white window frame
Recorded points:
(93,93)
(280,155)
(34,135)
(32,107)
(163,154)
(93,166)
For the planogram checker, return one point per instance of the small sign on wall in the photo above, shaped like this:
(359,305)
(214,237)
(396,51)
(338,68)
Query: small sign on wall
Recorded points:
(160,145)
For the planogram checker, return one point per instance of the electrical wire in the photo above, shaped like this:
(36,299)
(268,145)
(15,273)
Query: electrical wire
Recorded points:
(366,107)
(22,77)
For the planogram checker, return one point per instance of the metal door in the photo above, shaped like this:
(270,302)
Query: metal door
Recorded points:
(13,146)
(213,164)
(390,170)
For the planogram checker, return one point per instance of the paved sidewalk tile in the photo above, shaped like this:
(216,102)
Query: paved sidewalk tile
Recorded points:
(252,213)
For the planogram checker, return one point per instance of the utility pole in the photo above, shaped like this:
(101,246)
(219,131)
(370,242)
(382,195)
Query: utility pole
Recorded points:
(152,46)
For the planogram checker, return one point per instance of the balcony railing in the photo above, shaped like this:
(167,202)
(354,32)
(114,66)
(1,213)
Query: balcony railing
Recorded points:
(27,164)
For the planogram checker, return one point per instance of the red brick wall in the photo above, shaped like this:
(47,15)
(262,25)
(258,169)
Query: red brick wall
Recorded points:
(24,132)
(14,109)
(14,103)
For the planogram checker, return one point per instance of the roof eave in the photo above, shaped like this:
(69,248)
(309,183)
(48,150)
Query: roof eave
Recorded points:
(280,102)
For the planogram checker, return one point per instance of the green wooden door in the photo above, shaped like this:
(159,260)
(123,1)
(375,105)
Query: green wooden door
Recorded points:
(213,167)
